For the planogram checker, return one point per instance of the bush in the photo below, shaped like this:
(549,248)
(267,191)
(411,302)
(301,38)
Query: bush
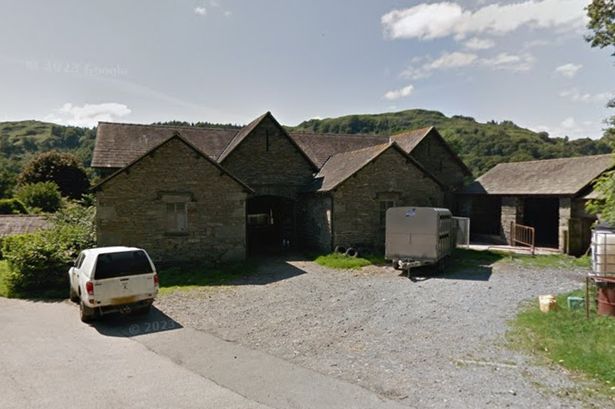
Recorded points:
(38,262)
(62,168)
(43,196)
(12,206)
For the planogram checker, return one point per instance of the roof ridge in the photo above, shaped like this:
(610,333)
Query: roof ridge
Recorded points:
(404,133)
(338,134)
(169,126)
(556,159)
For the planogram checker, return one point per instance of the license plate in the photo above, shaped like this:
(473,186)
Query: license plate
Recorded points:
(123,300)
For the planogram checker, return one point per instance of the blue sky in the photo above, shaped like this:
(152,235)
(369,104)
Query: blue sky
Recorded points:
(77,62)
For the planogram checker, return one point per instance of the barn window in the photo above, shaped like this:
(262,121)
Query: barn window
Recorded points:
(177,217)
(384,206)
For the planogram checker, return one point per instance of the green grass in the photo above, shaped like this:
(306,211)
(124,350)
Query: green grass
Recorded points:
(341,261)
(566,337)
(193,277)
(463,258)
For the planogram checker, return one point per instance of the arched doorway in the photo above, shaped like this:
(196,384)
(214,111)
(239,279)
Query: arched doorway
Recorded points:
(270,223)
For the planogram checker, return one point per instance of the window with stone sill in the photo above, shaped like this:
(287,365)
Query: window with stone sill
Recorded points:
(177,217)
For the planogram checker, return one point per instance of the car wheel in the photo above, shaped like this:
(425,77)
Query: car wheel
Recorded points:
(74,297)
(87,314)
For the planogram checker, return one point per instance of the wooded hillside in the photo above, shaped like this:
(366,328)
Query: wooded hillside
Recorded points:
(480,145)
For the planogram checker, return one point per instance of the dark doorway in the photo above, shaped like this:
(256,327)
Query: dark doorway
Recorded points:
(270,222)
(543,215)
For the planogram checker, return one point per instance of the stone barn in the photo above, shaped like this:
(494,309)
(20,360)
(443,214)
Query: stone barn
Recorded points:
(549,195)
(189,193)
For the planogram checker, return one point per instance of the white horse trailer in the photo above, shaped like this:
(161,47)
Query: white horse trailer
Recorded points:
(418,236)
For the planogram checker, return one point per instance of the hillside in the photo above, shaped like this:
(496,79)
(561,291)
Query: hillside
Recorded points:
(480,145)
(21,139)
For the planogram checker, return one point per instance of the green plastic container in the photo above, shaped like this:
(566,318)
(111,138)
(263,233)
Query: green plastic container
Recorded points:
(575,302)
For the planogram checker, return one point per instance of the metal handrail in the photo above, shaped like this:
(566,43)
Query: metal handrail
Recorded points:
(524,235)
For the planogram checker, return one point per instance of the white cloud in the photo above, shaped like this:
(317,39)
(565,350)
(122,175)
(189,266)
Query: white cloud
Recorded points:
(228,13)
(399,93)
(437,20)
(569,123)
(88,115)
(510,62)
(575,95)
(200,11)
(476,43)
(502,61)
(568,70)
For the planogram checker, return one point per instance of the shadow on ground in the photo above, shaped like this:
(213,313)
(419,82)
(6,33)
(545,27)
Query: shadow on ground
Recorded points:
(131,325)
(481,273)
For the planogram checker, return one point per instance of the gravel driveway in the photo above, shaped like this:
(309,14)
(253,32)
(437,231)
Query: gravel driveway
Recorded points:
(438,342)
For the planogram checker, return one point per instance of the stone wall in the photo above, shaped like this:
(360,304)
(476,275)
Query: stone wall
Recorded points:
(132,208)
(315,222)
(356,202)
(268,162)
(512,211)
(433,155)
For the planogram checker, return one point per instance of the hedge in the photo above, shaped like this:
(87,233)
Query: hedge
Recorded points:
(39,262)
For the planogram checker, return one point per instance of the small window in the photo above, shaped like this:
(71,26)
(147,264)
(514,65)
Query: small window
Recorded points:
(384,206)
(177,217)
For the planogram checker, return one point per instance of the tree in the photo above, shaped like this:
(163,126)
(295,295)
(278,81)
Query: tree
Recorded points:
(42,195)
(601,15)
(63,169)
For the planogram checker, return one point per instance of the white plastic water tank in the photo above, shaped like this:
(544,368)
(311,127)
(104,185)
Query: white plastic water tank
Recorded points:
(603,251)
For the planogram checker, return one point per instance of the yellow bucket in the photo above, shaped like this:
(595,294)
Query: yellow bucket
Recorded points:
(547,303)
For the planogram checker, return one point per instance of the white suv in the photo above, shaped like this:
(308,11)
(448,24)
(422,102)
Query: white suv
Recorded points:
(113,279)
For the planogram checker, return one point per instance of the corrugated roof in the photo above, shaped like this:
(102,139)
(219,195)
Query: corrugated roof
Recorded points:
(11,224)
(565,176)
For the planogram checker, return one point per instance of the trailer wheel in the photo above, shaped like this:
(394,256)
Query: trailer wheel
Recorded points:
(352,252)
(395,264)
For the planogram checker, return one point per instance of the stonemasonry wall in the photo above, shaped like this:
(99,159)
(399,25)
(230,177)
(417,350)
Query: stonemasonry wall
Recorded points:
(356,202)
(432,154)
(315,222)
(132,208)
(270,163)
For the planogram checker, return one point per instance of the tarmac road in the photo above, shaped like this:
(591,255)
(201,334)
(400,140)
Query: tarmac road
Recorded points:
(49,359)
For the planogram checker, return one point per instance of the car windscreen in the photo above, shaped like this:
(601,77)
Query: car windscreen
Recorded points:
(121,264)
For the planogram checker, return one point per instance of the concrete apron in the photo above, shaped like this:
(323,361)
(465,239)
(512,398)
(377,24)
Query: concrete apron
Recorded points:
(258,376)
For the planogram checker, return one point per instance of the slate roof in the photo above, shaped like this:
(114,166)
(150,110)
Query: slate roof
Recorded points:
(320,147)
(564,177)
(119,144)
(11,224)
(175,135)
(410,139)
(338,168)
